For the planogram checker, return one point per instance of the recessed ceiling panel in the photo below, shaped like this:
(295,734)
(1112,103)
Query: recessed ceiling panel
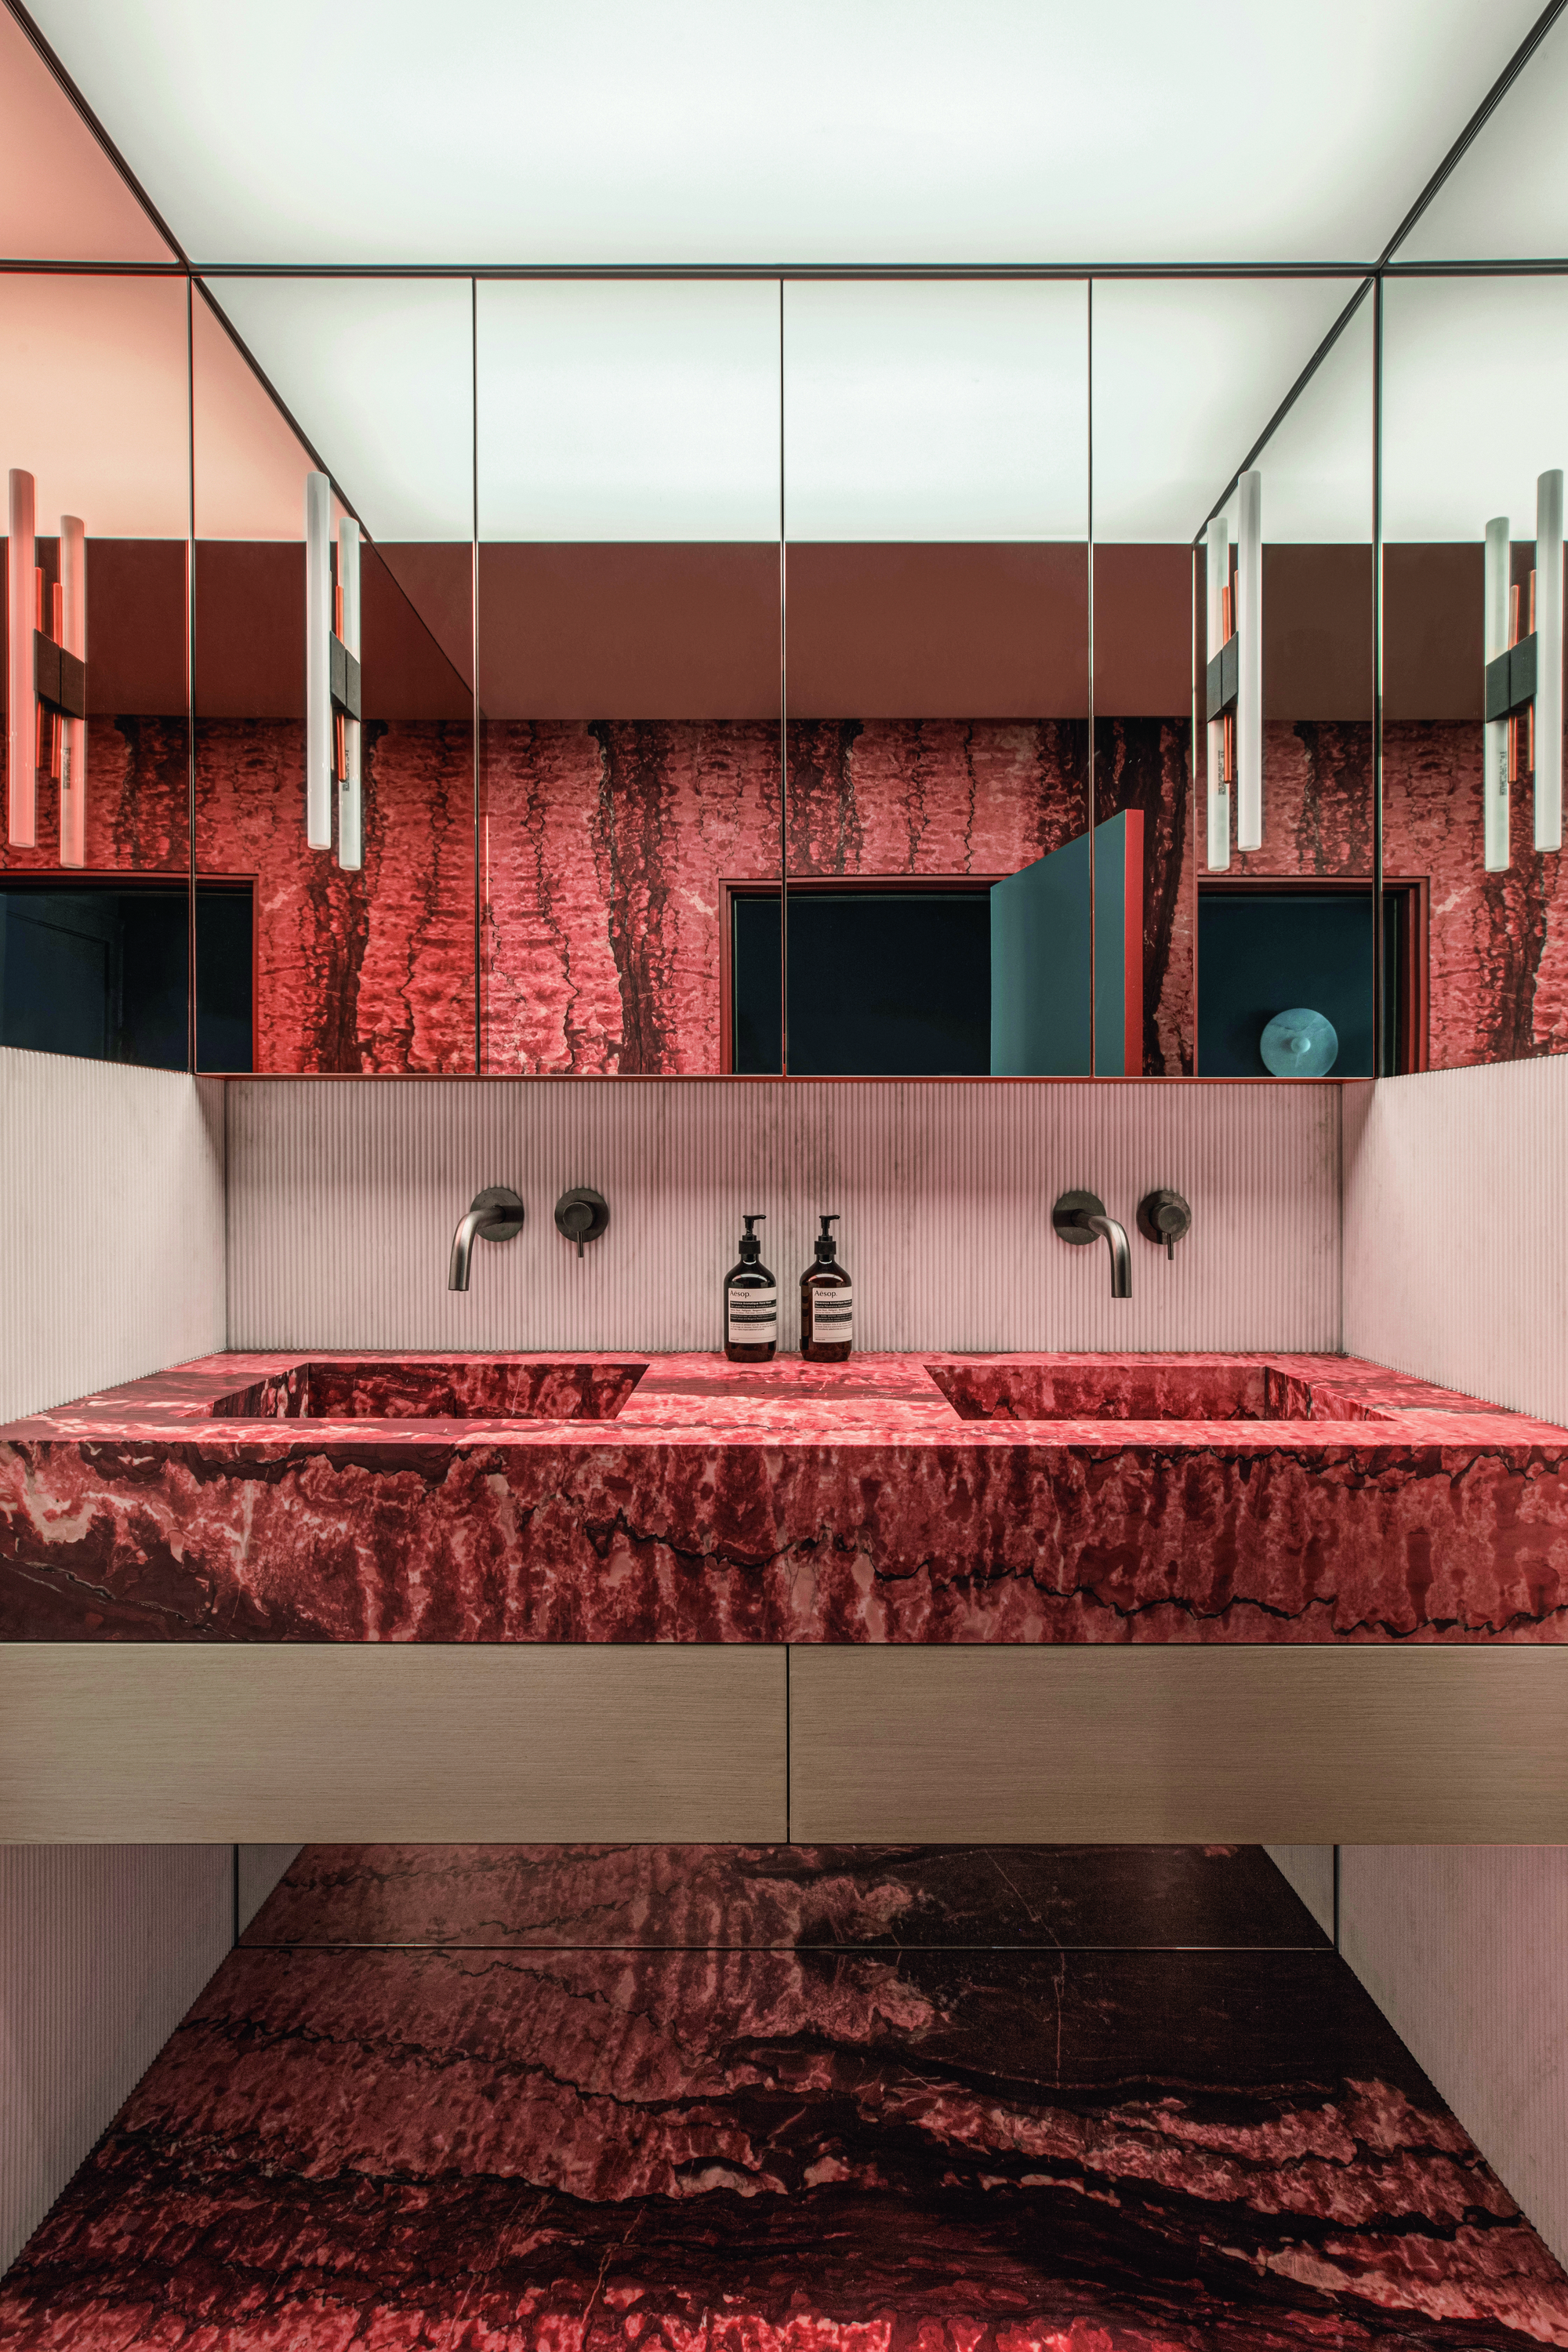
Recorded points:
(1186,374)
(614,409)
(514,131)
(936,411)
(377,374)
(1507,199)
(1473,370)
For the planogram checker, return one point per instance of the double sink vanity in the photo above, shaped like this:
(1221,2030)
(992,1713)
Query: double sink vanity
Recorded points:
(621,1498)
(642,1595)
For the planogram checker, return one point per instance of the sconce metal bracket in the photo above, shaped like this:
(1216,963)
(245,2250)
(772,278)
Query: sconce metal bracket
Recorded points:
(60,678)
(343,682)
(1225,678)
(1511,679)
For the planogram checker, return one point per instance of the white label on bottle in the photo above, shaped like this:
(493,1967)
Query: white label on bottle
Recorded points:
(833,1313)
(752,1317)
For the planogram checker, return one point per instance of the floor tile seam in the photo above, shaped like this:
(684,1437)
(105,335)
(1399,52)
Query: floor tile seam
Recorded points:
(340,1943)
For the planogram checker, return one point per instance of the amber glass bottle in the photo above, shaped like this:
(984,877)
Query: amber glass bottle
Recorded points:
(751,1303)
(826,1302)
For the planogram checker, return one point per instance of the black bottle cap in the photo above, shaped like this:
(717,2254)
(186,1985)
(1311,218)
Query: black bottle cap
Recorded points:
(750,1246)
(826,1246)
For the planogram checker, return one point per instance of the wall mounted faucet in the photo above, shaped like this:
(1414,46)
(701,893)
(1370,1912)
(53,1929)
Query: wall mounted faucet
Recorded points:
(1078,1218)
(495,1215)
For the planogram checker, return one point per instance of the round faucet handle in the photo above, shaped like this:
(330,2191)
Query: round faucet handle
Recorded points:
(1164,1216)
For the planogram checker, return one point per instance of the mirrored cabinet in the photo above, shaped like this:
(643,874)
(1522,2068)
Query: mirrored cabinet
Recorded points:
(858,675)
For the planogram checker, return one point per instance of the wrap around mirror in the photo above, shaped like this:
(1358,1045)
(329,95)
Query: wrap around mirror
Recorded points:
(857,675)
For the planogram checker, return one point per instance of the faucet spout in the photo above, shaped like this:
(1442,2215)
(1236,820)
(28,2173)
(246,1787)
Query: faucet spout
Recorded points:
(470,1224)
(1080,1218)
(494,1215)
(1115,1238)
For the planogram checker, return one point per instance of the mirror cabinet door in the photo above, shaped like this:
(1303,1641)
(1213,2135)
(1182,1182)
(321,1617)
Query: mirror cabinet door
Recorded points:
(1287,949)
(630,665)
(936,692)
(95,867)
(1233,674)
(1475,442)
(336,877)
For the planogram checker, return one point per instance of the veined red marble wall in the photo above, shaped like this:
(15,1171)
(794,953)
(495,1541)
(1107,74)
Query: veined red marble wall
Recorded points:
(1497,943)
(373,971)
(602,848)
(138,785)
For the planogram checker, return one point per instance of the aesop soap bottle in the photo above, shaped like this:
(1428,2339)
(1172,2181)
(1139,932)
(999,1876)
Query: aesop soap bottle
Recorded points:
(751,1303)
(826,1302)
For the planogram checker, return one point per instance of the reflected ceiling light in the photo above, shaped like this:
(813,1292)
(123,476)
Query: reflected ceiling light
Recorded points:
(332,675)
(45,676)
(1524,652)
(1235,678)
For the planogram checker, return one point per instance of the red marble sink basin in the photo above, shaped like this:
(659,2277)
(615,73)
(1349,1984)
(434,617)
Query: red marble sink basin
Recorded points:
(1129,1388)
(488,1388)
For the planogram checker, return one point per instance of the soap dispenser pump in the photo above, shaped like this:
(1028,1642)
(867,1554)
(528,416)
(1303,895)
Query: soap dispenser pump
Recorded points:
(751,1303)
(826,1302)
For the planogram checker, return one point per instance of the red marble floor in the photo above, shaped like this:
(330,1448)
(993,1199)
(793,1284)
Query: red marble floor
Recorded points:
(784,2100)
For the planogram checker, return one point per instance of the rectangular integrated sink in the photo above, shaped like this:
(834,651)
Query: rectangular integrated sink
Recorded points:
(1128,1389)
(484,1388)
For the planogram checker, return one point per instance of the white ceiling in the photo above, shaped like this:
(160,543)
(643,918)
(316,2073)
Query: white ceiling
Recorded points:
(1474,407)
(1508,198)
(521,130)
(629,410)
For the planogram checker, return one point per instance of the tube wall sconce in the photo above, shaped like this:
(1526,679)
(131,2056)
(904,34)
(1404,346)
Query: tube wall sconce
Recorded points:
(21,697)
(332,678)
(1548,726)
(45,676)
(1249,662)
(1236,677)
(1522,733)
(346,722)
(1496,731)
(1221,726)
(73,725)
(318,661)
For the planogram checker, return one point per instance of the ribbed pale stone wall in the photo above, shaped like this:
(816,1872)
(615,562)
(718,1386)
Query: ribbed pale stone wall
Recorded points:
(343,1197)
(111,1208)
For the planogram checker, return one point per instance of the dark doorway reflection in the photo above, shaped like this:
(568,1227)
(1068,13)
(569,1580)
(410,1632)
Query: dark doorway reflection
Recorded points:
(882,983)
(101,970)
(1265,951)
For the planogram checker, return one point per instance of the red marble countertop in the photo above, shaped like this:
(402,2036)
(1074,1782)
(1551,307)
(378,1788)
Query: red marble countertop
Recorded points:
(648,1497)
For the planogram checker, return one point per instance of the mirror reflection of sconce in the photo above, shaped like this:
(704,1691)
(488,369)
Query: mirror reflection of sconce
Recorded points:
(46,677)
(332,678)
(1523,733)
(1235,675)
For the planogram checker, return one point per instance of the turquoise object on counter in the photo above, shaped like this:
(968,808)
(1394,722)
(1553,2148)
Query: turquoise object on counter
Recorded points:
(1300,1044)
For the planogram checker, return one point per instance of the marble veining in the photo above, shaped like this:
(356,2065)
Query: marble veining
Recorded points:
(1264,1499)
(943,2148)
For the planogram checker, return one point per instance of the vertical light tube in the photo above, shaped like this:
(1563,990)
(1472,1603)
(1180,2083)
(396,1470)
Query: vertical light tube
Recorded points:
(1249,661)
(351,845)
(318,661)
(73,637)
(21,675)
(1549,660)
(1216,570)
(1494,750)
